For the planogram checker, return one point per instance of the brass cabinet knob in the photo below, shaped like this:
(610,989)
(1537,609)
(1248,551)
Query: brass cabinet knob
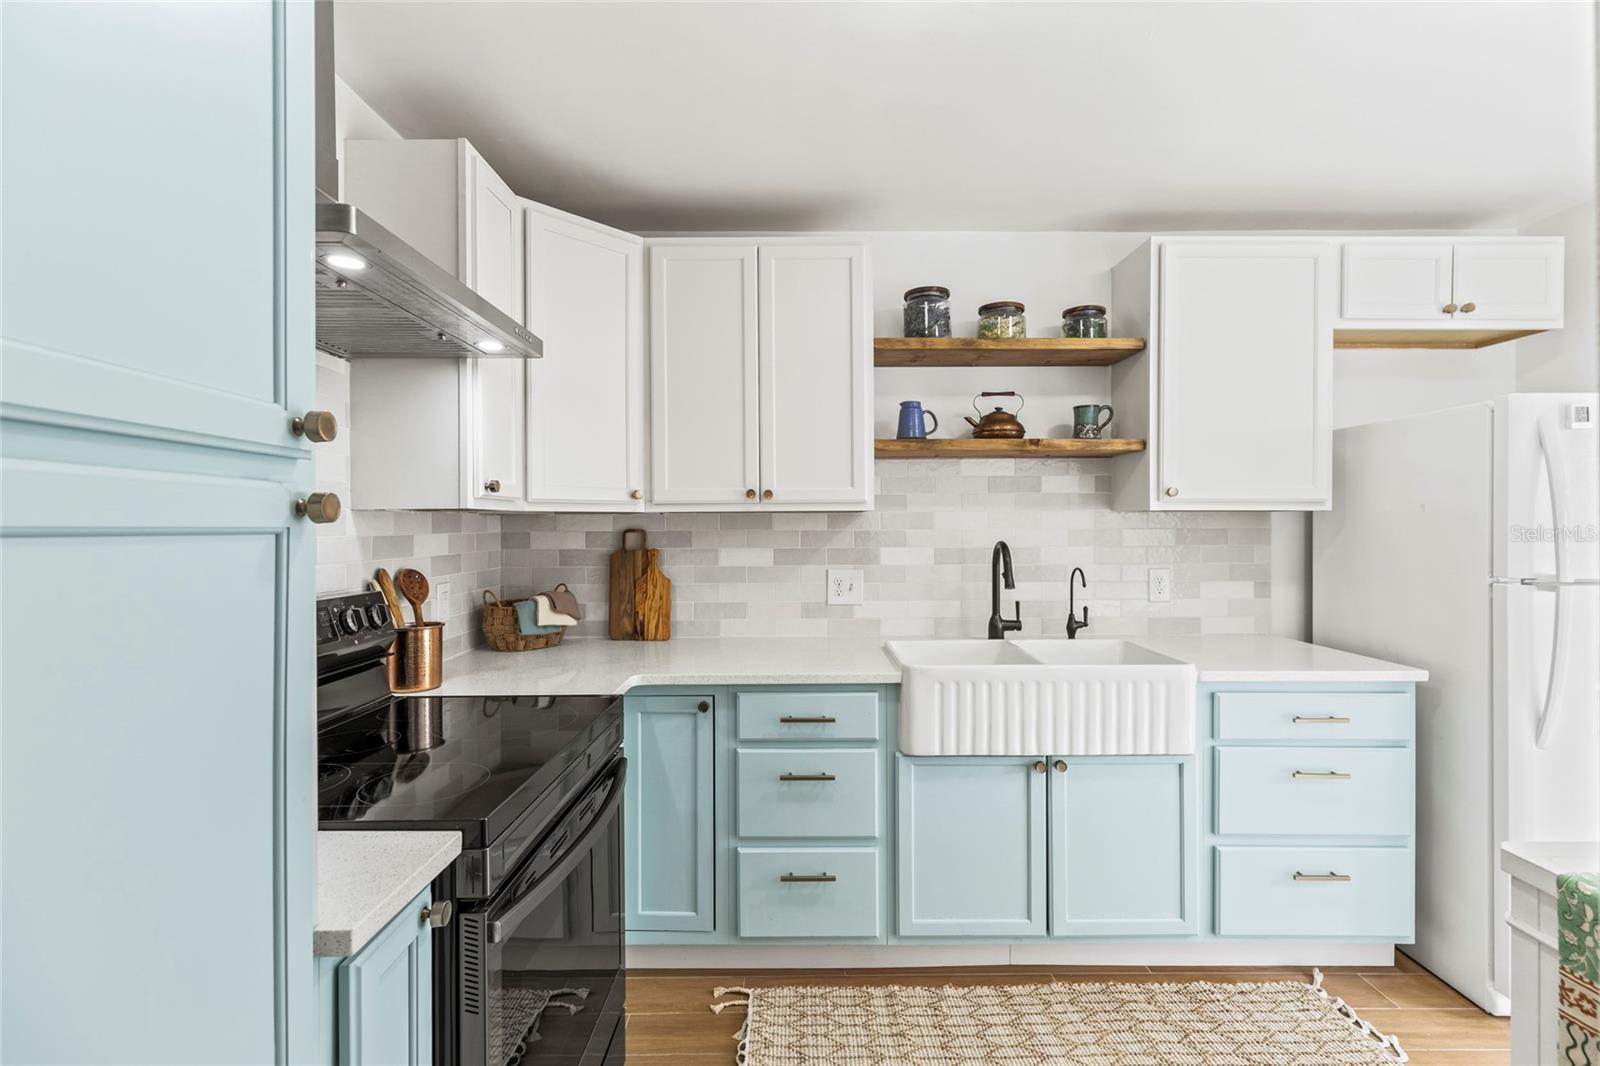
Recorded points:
(439,914)
(637,494)
(1039,767)
(317,426)
(1061,766)
(320,507)
(492,485)
(767,495)
(1450,309)
(1468,307)
(1172,492)
(749,494)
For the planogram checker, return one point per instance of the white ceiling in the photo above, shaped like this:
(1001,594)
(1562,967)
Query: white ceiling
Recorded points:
(989,116)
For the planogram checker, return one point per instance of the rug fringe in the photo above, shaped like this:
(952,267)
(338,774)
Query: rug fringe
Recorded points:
(1388,1042)
(742,1055)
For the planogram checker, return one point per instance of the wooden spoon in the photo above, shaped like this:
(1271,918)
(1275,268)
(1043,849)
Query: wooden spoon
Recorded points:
(414,587)
(390,596)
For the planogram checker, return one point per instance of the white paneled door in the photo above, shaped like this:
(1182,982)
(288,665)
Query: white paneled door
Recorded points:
(492,254)
(705,440)
(1245,374)
(1510,281)
(1390,280)
(586,397)
(815,410)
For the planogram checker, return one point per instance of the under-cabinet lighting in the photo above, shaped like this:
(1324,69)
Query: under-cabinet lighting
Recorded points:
(489,345)
(345,262)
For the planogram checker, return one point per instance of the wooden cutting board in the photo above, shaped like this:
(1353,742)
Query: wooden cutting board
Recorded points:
(652,596)
(627,567)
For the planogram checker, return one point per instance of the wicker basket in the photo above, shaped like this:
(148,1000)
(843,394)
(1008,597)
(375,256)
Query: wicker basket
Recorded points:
(500,628)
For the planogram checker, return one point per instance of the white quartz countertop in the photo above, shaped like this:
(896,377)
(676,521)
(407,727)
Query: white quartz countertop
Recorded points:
(1538,862)
(365,877)
(602,667)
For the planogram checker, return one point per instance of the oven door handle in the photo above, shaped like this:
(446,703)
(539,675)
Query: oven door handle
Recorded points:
(514,910)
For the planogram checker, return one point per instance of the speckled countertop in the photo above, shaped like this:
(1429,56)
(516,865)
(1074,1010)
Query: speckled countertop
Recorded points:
(604,667)
(365,877)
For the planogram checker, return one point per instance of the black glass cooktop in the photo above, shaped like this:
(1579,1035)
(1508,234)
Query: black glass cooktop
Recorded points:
(474,764)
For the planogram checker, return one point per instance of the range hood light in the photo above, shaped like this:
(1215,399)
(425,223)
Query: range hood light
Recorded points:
(345,262)
(489,345)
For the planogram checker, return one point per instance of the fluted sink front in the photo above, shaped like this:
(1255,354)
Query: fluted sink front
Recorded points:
(1043,698)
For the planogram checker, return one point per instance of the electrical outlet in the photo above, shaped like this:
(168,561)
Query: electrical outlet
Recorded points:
(846,587)
(441,601)
(1160,584)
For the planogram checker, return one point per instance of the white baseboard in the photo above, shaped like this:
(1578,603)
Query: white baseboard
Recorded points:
(852,956)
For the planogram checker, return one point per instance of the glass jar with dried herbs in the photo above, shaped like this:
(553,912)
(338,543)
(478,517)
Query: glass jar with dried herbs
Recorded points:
(927,312)
(1002,320)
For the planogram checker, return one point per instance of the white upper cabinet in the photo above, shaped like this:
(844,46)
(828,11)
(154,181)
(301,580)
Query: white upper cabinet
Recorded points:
(815,421)
(1233,393)
(704,382)
(1453,284)
(462,440)
(760,375)
(586,441)
(1388,280)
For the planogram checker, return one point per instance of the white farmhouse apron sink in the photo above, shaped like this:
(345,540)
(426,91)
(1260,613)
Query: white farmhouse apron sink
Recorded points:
(1042,697)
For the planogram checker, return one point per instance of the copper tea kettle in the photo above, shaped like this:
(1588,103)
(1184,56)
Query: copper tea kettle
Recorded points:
(998,424)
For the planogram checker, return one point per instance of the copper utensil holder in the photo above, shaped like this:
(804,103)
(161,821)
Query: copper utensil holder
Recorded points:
(416,658)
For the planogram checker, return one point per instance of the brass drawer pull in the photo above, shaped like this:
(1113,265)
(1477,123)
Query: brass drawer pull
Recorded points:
(808,879)
(1330,876)
(1321,775)
(1321,719)
(812,719)
(806,777)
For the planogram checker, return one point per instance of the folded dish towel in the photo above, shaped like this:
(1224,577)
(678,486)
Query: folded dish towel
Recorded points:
(562,599)
(528,620)
(549,615)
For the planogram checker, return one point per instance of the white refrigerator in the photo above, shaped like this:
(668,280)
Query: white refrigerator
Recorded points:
(1467,542)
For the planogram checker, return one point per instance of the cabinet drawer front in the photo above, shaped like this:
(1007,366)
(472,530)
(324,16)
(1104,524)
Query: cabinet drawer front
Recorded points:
(807,793)
(1314,791)
(1364,892)
(1329,717)
(808,715)
(824,892)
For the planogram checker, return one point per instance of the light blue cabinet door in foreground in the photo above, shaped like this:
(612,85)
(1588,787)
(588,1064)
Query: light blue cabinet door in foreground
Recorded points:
(670,823)
(157,705)
(1122,846)
(385,995)
(971,847)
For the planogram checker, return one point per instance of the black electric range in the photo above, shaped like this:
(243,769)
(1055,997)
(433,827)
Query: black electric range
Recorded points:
(530,970)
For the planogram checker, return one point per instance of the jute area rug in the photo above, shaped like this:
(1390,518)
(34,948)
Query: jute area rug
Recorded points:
(1281,1023)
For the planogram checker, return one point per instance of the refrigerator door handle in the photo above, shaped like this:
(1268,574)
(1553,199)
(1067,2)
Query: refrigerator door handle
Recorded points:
(1558,509)
(1555,693)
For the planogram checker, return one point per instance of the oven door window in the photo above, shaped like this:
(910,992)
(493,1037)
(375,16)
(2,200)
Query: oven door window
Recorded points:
(552,945)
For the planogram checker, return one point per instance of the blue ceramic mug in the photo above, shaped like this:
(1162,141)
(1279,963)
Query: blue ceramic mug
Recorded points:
(912,421)
(1089,419)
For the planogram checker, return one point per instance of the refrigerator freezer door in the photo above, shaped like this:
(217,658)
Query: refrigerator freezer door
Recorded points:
(1547,488)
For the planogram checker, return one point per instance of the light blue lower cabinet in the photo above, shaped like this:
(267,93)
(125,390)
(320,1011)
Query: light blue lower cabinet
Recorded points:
(806,792)
(1315,892)
(669,827)
(1123,847)
(1321,791)
(376,1007)
(970,847)
(808,892)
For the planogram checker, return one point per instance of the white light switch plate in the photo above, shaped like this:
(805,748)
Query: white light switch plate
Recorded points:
(440,608)
(846,587)
(1160,584)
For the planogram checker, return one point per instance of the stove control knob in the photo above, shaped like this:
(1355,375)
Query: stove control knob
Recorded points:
(354,621)
(378,615)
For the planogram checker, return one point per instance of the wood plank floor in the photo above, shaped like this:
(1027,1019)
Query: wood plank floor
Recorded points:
(669,1023)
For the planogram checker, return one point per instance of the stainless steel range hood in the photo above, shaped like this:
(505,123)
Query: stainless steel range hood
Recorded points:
(376,295)
(379,297)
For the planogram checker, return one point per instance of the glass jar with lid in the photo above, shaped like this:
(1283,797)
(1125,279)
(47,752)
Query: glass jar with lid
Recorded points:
(927,312)
(1002,320)
(1085,320)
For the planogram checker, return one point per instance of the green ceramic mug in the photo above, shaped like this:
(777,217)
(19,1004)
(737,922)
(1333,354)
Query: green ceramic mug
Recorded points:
(1089,419)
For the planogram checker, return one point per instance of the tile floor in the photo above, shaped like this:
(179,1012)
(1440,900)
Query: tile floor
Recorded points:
(669,1023)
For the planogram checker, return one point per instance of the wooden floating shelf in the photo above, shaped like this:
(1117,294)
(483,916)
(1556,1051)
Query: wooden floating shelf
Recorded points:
(1021,351)
(1426,338)
(1023,448)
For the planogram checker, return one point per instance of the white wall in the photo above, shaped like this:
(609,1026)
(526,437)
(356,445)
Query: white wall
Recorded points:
(1567,360)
